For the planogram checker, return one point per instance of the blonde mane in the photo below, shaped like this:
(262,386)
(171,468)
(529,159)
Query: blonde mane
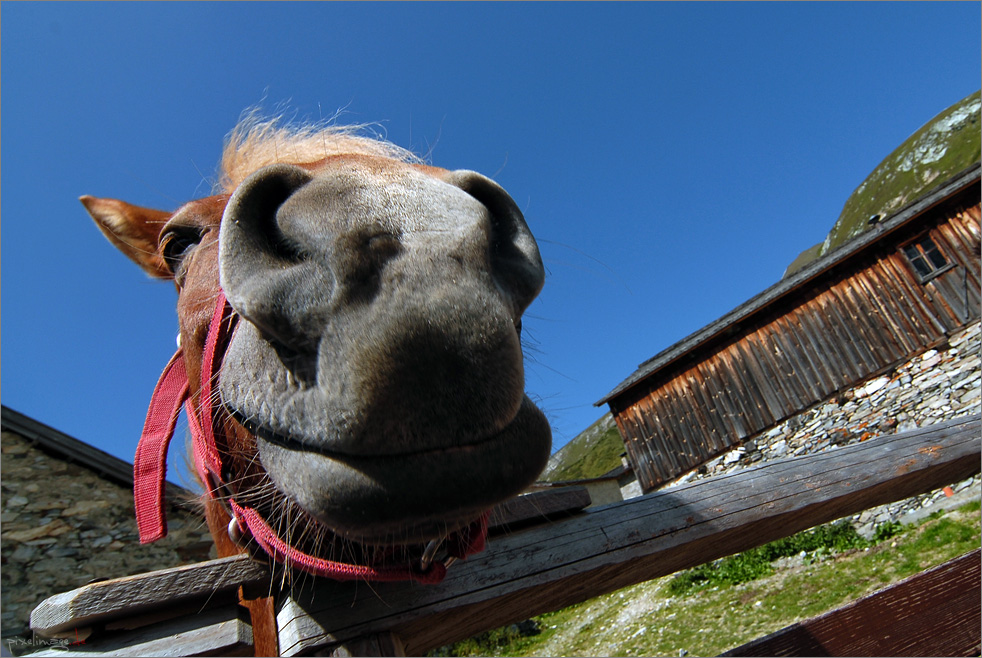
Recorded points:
(257,142)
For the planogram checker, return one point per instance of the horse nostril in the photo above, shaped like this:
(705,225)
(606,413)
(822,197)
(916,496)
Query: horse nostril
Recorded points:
(264,273)
(359,260)
(514,254)
(253,213)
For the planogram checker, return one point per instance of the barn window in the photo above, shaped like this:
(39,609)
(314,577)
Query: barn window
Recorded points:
(926,259)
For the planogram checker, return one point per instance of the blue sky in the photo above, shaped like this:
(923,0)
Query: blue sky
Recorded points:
(672,159)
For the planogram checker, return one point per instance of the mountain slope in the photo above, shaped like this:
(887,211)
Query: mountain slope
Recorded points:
(941,148)
(595,451)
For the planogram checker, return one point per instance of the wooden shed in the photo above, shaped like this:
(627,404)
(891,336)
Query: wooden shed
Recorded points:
(899,288)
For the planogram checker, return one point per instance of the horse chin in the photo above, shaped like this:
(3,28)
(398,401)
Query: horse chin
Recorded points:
(408,498)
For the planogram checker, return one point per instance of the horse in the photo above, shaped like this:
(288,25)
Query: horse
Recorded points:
(350,354)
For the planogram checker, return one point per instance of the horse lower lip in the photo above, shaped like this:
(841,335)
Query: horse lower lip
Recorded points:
(304,445)
(374,496)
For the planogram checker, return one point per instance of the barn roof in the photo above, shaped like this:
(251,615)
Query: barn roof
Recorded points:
(787,287)
(72,450)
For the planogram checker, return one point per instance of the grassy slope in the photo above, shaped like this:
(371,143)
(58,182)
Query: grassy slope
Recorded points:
(592,453)
(941,148)
(644,620)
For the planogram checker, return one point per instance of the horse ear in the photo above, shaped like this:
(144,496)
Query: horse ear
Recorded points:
(134,230)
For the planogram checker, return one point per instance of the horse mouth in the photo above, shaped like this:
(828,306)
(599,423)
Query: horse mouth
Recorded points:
(313,446)
(408,497)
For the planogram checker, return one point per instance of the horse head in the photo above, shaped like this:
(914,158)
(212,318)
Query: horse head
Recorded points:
(350,324)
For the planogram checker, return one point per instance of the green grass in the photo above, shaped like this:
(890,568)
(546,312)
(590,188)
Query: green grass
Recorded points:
(584,459)
(510,638)
(891,185)
(817,543)
(648,620)
(888,187)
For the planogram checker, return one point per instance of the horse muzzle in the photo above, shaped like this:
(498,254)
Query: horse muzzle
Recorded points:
(382,310)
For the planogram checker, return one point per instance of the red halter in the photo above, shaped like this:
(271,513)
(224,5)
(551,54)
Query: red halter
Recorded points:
(150,466)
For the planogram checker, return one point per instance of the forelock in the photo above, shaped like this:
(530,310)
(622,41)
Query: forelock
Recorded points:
(257,142)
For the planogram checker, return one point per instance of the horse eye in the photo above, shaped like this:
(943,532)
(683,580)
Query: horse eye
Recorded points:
(176,245)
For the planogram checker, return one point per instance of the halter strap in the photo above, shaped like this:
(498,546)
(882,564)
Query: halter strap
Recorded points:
(150,468)
(150,463)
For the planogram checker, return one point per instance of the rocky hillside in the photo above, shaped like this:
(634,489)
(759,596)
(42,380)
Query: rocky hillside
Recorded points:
(595,451)
(941,148)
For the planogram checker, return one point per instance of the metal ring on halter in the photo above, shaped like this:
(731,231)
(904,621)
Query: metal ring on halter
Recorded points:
(235,532)
(429,553)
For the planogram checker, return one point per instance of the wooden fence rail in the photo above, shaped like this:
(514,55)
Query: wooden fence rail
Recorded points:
(566,561)
(553,566)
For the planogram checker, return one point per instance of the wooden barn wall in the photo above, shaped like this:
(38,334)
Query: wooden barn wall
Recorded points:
(837,334)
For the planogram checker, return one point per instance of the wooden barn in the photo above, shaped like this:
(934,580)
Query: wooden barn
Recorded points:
(898,289)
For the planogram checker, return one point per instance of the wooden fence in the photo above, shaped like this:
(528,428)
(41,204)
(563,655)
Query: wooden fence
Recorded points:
(193,611)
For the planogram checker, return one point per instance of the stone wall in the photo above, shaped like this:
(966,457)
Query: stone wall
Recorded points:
(935,386)
(64,526)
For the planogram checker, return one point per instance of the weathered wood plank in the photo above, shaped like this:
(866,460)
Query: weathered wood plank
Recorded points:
(379,644)
(152,595)
(219,631)
(134,595)
(537,507)
(550,567)
(935,613)
(709,415)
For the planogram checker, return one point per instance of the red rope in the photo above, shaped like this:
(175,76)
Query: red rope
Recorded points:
(150,467)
